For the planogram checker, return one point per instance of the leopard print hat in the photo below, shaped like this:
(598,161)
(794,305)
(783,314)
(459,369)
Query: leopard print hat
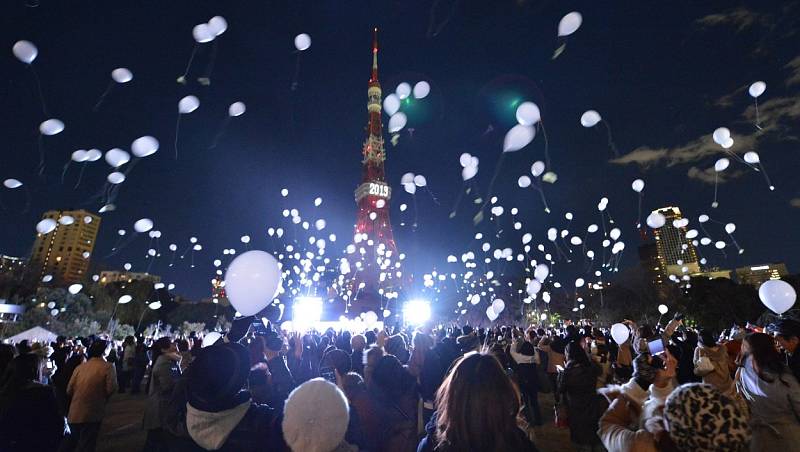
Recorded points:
(699,418)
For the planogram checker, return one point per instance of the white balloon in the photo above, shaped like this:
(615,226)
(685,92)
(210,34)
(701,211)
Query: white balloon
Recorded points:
(730,227)
(498,305)
(117,157)
(638,185)
(420,181)
(579,282)
(46,226)
(144,146)
(391,104)
(757,88)
(66,220)
(403,90)
(236,109)
(202,33)
(518,137)
(25,51)
(491,314)
(217,25)
(570,23)
(188,104)
(592,228)
(252,281)
(320,224)
(691,234)
(615,233)
(51,127)
(537,168)
(79,156)
(122,75)
(397,122)
(777,295)
(590,118)
(422,89)
(751,157)
(75,288)
(210,339)
(302,42)
(656,220)
(12,183)
(410,188)
(620,333)
(721,134)
(469,172)
(143,225)
(528,114)
(524,181)
(115,178)
(533,287)
(719,244)
(721,164)
(541,272)
(93,155)
(663,309)
(125,299)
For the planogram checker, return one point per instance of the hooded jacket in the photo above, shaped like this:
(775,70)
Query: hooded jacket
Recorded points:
(247,427)
(720,377)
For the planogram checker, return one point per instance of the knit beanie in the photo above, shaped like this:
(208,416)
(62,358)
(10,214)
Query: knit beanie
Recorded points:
(701,419)
(315,417)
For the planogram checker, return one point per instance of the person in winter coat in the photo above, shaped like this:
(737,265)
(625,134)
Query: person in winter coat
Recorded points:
(89,389)
(717,373)
(526,357)
(694,417)
(772,394)
(220,414)
(487,421)
(787,334)
(316,417)
(554,347)
(30,418)
(576,388)
(427,367)
(163,376)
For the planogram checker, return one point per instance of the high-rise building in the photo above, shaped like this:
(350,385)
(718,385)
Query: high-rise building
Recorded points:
(115,276)
(676,254)
(64,253)
(758,274)
(373,228)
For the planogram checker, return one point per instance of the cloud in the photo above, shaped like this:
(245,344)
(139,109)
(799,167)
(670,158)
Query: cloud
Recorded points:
(695,150)
(795,202)
(740,18)
(707,176)
(794,65)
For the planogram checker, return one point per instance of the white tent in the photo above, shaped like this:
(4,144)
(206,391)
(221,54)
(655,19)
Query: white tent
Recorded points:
(35,334)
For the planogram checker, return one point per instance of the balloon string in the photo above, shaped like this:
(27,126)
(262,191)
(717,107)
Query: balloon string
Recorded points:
(546,145)
(540,189)
(182,78)
(41,154)
(295,83)
(103,96)
(64,171)
(177,130)
(458,200)
(416,214)
(206,79)
(491,183)
(639,218)
(766,177)
(220,132)
(758,121)
(714,204)
(80,175)
(433,197)
(39,89)
(610,138)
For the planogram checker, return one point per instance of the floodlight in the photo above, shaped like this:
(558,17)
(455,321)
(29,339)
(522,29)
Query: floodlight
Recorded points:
(306,312)
(417,312)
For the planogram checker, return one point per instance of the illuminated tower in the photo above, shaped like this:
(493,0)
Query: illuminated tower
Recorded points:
(373,229)
(676,254)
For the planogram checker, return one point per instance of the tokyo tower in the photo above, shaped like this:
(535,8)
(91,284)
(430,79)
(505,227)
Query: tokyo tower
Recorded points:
(373,229)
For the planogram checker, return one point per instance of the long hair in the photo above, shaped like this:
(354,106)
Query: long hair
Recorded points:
(766,356)
(576,355)
(477,407)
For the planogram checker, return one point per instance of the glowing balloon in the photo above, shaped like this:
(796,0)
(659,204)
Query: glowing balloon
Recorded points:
(397,122)
(663,309)
(93,155)
(656,220)
(302,42)
(721,134)
(620,333)
(498,305)
(518,137)
(125,299)
(465,160)
(570,23)
(777,295)
(66,220)
(188,104)
(541,272)
(79,156)
(75,288)
(537,168)
(115,178)
(638,185)
(757,89)
(524,181)
(751,157)
(422,89)
(721,164)
(144,146)
(420,181)
(590,118)
(25,51)
(491,314)
(143,225)
(46,226)
(469,172)
(117,157)
(252,281)
(528,114)
(202,33)
(533,287)
(51,127)
(615,233)
(217,25)
(122,75)
(730,227)
(12,183)
(236,109)
(403,90)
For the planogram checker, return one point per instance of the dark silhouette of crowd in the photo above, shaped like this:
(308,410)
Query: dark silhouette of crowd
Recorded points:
(664,388)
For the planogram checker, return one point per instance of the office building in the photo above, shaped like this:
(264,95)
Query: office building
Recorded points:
(112,277)
(758,274)
(65,252)
(676,254)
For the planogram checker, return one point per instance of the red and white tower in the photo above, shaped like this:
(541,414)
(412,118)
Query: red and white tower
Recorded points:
(373,229)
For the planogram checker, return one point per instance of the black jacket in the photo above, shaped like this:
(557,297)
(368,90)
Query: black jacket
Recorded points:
(30,419)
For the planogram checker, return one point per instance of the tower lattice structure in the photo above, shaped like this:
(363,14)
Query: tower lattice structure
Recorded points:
(373,228)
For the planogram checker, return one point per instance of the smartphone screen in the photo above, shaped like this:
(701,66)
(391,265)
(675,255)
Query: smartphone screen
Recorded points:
(49,364)
(559,368)
(656,346)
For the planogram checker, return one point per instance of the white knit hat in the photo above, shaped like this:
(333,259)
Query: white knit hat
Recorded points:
(315,417)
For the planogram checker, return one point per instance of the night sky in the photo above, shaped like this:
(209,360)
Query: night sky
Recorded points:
(663,75)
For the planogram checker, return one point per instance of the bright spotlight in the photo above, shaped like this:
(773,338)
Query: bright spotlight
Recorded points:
(417,312)
(306,312)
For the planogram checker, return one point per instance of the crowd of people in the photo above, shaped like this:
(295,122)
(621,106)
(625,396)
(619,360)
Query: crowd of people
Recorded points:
(442,389)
